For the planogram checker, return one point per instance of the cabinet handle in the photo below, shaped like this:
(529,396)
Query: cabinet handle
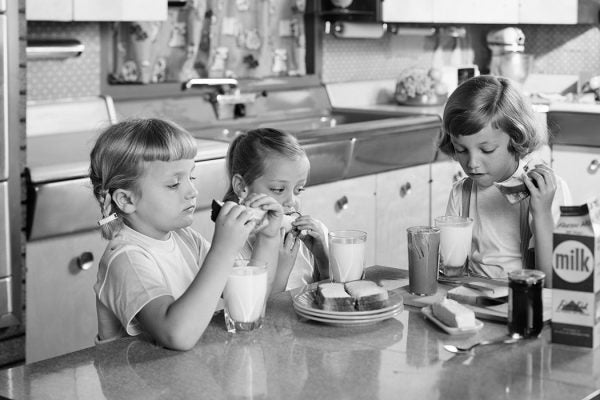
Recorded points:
(341,204)
(405,189)
(85,260)
(593,167)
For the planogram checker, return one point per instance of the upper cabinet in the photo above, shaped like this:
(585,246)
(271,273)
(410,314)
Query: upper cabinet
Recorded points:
(491,12)
(96,10)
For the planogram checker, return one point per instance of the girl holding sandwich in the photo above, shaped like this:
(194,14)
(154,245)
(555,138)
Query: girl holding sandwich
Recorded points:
(490,128)
(271,162)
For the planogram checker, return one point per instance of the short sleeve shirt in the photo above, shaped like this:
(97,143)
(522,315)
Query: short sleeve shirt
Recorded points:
(135,269)
(496,246)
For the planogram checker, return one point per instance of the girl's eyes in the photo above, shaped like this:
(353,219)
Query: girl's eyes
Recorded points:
(300,190)
(488,151)
(281,190)
(277,190)
(176,184)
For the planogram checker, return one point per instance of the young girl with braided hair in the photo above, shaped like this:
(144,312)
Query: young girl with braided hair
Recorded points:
(158,275)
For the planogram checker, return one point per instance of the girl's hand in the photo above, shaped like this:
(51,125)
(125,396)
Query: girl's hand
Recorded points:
(288,251)
(316,241)
(232,227)
(541,183)
(272,221)
(315,238)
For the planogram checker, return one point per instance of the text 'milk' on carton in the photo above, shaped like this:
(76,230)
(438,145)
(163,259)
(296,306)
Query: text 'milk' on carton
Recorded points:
(576,276)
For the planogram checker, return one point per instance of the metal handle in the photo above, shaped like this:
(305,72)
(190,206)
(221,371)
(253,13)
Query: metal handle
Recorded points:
(85,261)
(53,49)
(405,189)
(341,203)
(594,165)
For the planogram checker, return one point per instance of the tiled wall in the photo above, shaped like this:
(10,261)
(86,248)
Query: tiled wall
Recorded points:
(71,77)
(558,50)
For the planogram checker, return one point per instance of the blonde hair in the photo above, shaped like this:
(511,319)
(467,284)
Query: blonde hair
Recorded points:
(247,154)
(488,100)
(118,157)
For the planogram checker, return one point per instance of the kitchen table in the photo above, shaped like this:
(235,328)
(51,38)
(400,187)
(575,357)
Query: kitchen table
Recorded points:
(293,358)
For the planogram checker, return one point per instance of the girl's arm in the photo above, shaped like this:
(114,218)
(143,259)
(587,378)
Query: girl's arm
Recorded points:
(316,241)
(541,183)
(178,324)
(266,245)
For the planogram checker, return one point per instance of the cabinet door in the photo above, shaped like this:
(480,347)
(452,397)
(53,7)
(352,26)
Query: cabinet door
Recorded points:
(548,11)
(407,10)
(443,175)
(579,167)
(61,306)
(476,11)
(346,204)
(119,10)
(49,10)
(402,201)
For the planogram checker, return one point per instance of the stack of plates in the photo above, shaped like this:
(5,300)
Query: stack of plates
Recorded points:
(305,306)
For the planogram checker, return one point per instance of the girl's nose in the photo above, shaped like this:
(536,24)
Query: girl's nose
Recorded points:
(472,163)
(191,190)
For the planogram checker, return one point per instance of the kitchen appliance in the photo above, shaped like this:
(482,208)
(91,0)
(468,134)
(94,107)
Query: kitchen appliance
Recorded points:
(11,156)
(508,54)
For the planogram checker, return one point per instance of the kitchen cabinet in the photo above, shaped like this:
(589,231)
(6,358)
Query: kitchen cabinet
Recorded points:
(402,201)
(345,204)
(443,176)
(579,166)
(476,11)
(61,307)
(407,10)
(96,10)
(491,12)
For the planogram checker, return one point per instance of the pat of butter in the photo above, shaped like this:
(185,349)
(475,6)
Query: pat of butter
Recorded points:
(453,314)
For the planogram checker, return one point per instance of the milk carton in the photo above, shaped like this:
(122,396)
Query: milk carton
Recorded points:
(576,276)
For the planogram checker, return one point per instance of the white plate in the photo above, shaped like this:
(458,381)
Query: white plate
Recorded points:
(305,301)
(450,330)
(366,320)
(350,316)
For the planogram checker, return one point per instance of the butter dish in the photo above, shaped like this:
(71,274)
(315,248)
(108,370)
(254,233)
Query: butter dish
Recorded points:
(448,329)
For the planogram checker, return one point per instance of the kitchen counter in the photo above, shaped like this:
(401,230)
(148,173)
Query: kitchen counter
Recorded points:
(293,358)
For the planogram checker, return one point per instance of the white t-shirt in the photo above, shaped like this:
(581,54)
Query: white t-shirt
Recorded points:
(496,246)
(136,269)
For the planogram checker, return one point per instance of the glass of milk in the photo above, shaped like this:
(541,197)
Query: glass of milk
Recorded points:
(347,255)
(455,244)
(245,296)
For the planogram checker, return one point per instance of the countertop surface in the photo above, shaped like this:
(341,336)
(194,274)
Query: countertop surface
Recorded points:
(293,358)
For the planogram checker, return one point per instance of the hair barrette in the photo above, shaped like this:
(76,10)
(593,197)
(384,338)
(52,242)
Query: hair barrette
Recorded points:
(108,219)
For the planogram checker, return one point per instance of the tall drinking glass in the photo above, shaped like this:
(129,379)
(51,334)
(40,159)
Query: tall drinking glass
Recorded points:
(456,234)
(423,255)
(347,255)
(245,296)
(525,305)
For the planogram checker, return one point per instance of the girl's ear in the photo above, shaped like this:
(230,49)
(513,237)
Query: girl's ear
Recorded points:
(125,200)
(239,186)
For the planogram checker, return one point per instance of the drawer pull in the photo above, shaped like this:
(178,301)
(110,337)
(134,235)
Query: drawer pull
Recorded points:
(85,260)
(405,189)
(341,204)
(593,167)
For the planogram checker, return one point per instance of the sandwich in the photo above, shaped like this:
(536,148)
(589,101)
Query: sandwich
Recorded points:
(332,296)
(258,215)
(368,295)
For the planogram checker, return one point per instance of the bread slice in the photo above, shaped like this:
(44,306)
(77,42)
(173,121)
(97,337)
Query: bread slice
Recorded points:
(368,294)
(453,314)
(331,296)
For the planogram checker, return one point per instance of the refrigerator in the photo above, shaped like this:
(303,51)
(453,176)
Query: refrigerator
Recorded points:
(11,157)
